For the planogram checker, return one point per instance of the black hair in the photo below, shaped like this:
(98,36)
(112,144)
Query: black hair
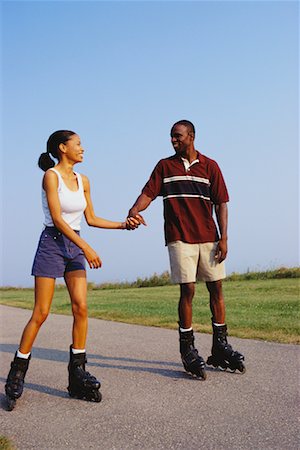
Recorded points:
(45,161)
(187,124)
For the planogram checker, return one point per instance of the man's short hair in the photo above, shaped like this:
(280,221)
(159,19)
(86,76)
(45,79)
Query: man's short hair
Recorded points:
(187,124)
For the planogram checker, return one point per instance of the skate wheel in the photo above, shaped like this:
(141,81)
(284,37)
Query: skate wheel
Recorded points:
(196,372)
(203,374)
(242,368)
(210,361)
(97,397)
(93,396)
(11,403)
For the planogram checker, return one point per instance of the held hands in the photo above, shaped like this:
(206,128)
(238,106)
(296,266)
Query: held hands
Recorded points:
(133,222)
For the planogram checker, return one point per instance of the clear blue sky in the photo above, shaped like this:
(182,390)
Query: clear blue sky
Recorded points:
(120,74)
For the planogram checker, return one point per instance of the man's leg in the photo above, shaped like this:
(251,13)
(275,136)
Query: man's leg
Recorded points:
(183,261)
(216,301)
(192,362)
(223,355)
(185,307)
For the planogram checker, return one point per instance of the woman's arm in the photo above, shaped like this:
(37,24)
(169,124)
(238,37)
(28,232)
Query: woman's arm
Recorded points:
(94,221)
(50,185)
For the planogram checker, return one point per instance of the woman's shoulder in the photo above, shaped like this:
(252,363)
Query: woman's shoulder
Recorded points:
(52,172)
(51,177)
(84,178)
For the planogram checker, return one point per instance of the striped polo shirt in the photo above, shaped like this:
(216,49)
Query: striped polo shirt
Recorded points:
(189,193)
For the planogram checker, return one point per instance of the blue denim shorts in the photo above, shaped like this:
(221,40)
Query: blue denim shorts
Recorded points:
(56,255)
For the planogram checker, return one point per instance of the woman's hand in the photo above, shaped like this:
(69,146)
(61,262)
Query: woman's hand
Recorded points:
(133,222)
(92,258)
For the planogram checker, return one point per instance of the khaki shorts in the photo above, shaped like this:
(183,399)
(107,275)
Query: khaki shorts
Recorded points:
(191,262)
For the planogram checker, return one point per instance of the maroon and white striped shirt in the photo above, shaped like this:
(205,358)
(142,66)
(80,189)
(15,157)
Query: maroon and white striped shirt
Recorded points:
(189,192)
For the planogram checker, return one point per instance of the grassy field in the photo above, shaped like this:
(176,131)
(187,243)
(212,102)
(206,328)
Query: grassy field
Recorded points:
(265,309)
(6,444)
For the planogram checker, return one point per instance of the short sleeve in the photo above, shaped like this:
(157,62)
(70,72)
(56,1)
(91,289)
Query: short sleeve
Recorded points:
(153,187)
(218,189)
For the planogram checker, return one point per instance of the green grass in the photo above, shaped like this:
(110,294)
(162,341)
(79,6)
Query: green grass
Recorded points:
(6,444)
(265,309)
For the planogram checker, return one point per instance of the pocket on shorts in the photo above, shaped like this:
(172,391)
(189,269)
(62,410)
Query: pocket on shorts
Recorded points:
(43,239)
(50,240)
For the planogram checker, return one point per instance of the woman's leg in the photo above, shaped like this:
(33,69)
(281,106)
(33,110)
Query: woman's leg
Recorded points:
(81,383)
(77,287)
(43,293)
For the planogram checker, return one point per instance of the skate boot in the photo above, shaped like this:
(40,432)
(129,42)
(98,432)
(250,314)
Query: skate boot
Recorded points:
(192,362)
(222,354)
(82,384)
(15,380)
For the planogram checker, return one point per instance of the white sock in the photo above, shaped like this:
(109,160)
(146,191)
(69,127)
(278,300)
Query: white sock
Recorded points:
(76,351)
(219,324)
(184,330)
(23,355)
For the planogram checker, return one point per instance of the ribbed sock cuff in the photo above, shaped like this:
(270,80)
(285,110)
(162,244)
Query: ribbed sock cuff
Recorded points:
(76,351)
(218,324)
(184,330)
(23,355)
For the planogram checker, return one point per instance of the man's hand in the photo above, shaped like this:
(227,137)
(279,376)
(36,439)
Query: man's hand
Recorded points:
(133,222)
(135,218)
(221,250)
(142,202)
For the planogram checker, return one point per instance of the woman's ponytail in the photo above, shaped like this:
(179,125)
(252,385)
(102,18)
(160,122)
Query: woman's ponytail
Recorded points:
(45,162)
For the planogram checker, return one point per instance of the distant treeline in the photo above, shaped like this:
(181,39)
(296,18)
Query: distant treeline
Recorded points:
(164,279)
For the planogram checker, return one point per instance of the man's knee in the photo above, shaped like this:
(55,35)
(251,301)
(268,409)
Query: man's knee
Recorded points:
(187,291)
(214,287)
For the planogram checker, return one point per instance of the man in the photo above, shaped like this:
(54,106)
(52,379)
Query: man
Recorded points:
(192,186)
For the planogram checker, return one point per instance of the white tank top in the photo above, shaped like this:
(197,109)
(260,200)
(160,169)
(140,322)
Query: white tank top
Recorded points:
(73,203)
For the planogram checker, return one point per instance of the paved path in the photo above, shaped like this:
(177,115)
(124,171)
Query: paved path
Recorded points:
(148,400)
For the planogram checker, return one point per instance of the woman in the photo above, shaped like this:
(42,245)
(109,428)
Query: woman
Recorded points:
(62,252)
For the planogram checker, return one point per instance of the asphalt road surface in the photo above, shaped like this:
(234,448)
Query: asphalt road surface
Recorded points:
(149,402)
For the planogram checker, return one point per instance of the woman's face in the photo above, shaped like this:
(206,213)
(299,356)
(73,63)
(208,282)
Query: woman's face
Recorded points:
(73,149)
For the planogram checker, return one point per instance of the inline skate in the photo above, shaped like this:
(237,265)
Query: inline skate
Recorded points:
(15,380)
(192,362)
(82,384)
(222,354)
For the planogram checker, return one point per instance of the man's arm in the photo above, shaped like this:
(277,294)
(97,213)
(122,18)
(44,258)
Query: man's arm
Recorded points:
(150,191)
(222,219)
(141,203)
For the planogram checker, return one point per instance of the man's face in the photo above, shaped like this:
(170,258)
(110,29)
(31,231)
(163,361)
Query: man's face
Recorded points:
(181,138)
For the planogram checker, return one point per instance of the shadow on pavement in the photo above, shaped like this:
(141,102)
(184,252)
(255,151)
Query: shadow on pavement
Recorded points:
(35,387)
(107,362)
